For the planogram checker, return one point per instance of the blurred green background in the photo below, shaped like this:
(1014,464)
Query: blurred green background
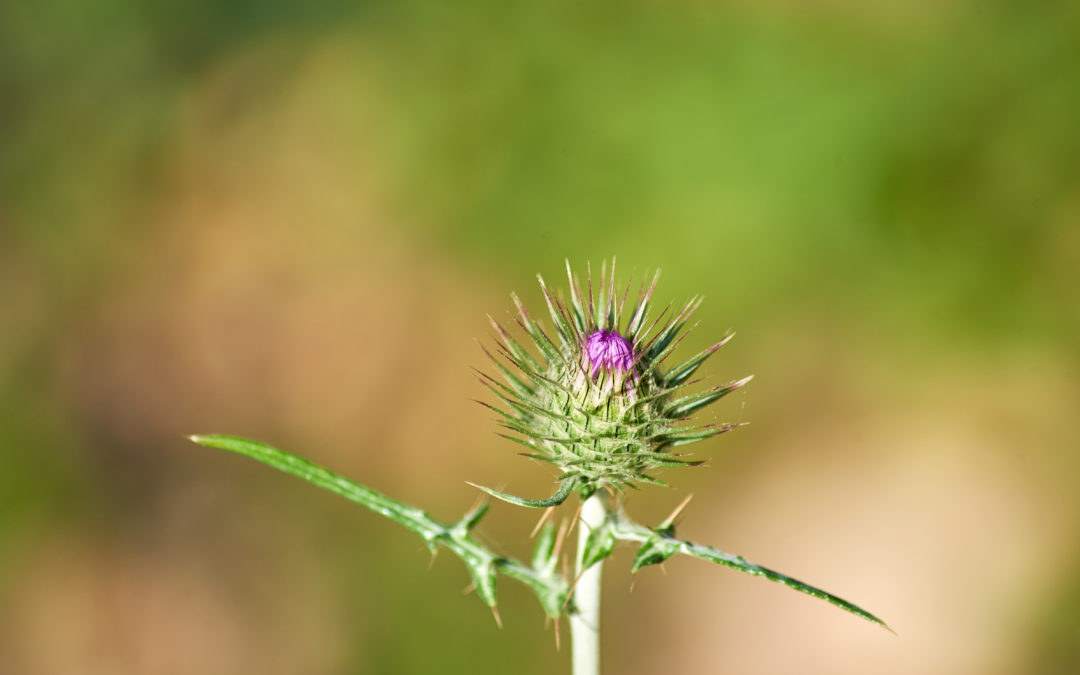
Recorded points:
(288,221)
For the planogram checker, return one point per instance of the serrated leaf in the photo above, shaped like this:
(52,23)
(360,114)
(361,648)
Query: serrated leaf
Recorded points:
(411,517)
(481,562)
(660,545)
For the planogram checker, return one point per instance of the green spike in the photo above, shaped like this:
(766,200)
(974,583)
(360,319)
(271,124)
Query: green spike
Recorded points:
(543,343)
(576,301)
(564,329)
(554,500)
(519,441)
(470,519)
(513,380)
(680,373)
(641,309)
(518,352)
(501,390)
(690,404)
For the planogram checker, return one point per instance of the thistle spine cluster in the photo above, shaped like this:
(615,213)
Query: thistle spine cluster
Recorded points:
(598,402)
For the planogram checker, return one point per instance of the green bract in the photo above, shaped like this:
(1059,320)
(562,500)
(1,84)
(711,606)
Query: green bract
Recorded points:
(599,402)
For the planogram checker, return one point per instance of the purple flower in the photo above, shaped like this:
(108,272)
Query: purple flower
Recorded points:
(606,349)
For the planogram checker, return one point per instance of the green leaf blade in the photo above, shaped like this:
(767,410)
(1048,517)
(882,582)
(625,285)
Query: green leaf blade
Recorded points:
(409,516)
(739,563)
(659,545)
(551,588)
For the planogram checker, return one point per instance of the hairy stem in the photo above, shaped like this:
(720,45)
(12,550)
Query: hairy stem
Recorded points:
(585,622)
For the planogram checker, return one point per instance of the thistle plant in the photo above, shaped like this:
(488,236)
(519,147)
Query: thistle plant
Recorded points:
(592,396)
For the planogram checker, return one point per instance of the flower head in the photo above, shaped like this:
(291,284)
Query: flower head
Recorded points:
(597,400)
(607,350)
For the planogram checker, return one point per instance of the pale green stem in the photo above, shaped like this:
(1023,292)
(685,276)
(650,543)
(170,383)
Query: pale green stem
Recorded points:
(585,621)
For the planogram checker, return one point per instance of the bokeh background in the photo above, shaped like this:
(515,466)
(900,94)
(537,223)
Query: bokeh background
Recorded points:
(288,220)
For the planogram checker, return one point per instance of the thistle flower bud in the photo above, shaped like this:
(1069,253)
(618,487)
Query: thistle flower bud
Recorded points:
(609,350)
(598,402)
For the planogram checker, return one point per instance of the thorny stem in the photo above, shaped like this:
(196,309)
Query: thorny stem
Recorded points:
(585,622)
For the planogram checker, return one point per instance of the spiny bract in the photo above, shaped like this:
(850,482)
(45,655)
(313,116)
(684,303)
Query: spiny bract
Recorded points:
(598,403)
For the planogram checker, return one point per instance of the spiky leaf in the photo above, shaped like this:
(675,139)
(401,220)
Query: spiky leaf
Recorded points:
(660,544)
(481,562)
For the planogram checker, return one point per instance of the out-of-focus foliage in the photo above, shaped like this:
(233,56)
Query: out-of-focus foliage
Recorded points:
(287,220)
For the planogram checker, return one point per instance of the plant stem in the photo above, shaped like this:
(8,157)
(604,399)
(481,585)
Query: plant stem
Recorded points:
(585,622)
